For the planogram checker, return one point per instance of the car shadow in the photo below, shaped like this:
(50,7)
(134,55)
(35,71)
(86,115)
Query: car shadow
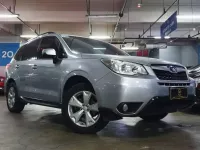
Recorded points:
(46,127)
(54,118)
(195,110)
(140,129)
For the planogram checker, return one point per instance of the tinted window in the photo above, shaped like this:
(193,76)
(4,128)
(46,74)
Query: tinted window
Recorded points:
(18,55)
(30,50)
(81,47)
(69,41)
(90,46)
(51,42)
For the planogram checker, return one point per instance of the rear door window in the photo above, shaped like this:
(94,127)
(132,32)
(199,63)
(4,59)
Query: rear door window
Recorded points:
(28,51)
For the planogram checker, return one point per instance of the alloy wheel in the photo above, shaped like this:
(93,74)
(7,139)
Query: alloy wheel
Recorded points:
(11,97)
(83,109)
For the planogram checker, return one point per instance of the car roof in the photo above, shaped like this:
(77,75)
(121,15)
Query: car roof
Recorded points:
(49,34)
(56,34)
(52,33)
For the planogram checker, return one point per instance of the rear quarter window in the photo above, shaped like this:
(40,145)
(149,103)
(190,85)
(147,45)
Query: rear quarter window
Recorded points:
(18,55)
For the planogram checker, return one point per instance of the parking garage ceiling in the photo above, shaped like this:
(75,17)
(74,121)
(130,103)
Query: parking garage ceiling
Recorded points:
(69,17)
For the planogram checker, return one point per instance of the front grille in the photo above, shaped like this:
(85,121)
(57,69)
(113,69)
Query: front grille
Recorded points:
(174,84)
(166,75)
(163,73)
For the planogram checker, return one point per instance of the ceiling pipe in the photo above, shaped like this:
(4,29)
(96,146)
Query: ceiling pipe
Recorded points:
(120,16)
(14,5)
(178,38)
(169,41)
(88,14)
(9,32)
(178,3)
(165,11)
(102,16)
(18,18)
(118,43)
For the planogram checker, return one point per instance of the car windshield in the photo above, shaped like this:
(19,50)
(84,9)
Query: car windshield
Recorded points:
(91,46)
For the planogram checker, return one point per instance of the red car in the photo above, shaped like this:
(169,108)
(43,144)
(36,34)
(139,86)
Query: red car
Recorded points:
(2,79)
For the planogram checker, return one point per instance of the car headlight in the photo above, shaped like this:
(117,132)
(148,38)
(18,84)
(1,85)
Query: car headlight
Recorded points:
(123,67)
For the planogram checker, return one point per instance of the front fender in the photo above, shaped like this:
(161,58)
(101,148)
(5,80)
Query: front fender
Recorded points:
(77,73)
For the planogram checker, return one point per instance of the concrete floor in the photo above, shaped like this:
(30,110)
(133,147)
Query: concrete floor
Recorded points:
(42,128)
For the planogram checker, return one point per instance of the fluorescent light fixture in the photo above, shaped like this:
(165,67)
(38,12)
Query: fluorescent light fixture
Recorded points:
(130,48)
(28,36)
(9,16)
(167,37)
(99,37)
(99,48)
(188,16)
(158,37)
(103,16)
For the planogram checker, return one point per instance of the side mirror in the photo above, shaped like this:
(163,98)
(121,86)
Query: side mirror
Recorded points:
(49,52)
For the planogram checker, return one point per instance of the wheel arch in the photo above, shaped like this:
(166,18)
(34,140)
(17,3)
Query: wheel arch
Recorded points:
(11,80)
(75,78)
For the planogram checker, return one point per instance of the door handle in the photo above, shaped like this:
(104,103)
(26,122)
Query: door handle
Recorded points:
(16,66)
(34,66)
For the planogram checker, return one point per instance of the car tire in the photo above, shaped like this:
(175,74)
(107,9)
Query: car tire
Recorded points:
(80,125)
(14,103)
(152,118)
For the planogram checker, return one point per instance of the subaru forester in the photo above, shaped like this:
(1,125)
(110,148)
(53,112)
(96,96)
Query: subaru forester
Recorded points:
(93,82)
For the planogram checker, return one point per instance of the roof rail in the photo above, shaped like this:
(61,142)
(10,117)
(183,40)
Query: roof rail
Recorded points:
(42,34)
(48,33)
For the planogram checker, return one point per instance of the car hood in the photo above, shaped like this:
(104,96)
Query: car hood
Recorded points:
(134,59)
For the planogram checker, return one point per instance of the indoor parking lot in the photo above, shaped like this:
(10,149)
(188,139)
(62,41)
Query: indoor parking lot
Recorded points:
(99,74)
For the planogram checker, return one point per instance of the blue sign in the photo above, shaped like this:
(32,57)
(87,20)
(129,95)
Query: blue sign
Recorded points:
(7,51)
(169,26)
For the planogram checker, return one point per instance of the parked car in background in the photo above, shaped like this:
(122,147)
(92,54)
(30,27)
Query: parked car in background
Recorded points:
(2,80)
(194,72)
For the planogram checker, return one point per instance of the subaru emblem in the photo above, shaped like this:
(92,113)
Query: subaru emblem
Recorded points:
(172,69)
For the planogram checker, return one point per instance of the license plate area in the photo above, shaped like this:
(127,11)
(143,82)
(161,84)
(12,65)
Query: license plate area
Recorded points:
(178,93)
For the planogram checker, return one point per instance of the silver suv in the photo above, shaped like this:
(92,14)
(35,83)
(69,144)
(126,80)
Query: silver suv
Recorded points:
(94,82)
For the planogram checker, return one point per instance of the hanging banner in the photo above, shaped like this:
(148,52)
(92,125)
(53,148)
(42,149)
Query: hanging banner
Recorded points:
(7,51)
(169,26)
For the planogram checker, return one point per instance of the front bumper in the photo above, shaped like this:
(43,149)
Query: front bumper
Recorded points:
(144,94)
(163,104)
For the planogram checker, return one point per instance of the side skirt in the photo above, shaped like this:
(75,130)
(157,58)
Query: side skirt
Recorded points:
(40,102)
